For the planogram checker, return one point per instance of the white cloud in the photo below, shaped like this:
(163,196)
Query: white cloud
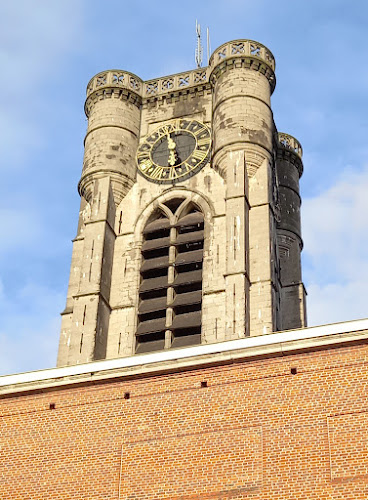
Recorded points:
(335,232)
(332,303)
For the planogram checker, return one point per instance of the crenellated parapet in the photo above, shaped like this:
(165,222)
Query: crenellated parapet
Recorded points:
(115,84)
(125,85)
(115,78)
(176,83)
(290,149)
(244,53)
(120,84)
(291,144)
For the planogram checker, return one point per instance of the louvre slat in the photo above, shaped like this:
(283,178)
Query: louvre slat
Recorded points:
(189,257)
(188,298)
(156,225)
(151,326)
(190,277)
(151,305)
(187,320)
(154,345)
(153,284)
(189,237)
(156,263)
(156,243)
(190,219)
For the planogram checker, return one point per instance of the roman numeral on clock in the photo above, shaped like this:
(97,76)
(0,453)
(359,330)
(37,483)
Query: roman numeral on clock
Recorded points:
(203,142)
(200,155)
(173,174)
(156,173)
(145,164)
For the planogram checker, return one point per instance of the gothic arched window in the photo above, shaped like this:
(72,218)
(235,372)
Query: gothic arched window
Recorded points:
(170,292)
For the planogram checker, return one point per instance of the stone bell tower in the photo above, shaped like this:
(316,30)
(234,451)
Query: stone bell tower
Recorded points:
(189,227)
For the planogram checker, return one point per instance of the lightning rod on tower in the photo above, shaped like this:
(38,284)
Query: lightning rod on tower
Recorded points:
(208,47)
(199,48)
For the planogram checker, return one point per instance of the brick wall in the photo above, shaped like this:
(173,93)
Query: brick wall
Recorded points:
(249,430)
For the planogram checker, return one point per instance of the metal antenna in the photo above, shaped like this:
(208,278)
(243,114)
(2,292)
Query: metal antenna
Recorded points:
(208,47)
(199,48)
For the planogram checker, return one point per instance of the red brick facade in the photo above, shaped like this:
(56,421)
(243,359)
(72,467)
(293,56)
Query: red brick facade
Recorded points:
(246,430)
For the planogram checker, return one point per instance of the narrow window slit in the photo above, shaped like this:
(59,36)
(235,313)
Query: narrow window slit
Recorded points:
(120,222)
(119,343)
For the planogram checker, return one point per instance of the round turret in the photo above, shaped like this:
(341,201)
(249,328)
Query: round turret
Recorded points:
(243,79)
(289,169)
(113,109)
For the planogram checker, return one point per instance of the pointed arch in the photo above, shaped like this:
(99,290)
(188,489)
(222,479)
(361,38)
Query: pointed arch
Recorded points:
(203,203)
(170,292)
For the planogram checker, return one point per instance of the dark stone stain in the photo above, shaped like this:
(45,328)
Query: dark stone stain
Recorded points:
(110,157)
(207,183)
(258,136)
(193,182)
(115,148)
(187,107)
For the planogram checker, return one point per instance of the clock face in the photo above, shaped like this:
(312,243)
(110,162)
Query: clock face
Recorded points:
(174,151)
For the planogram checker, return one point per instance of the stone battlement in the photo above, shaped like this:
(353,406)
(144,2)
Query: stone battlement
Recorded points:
(256,55)
(289,142)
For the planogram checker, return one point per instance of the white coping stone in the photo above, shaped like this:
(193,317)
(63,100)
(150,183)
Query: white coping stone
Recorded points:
(187,352)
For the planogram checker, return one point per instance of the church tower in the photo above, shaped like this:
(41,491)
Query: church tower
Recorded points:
(189,226)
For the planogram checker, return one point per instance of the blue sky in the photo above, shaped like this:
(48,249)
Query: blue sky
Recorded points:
(48,52)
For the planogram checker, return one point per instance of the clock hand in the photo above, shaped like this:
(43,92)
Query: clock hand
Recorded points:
(173,155)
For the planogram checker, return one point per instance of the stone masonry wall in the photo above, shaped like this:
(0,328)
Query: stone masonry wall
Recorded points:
(246,430)
(242,293)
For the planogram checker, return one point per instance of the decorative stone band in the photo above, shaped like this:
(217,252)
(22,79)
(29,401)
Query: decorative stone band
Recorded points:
(291,149)
(120,184)
(122,84)
(112,93)
(286,240)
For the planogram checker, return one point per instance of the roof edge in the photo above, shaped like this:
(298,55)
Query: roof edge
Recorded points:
(273,344)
